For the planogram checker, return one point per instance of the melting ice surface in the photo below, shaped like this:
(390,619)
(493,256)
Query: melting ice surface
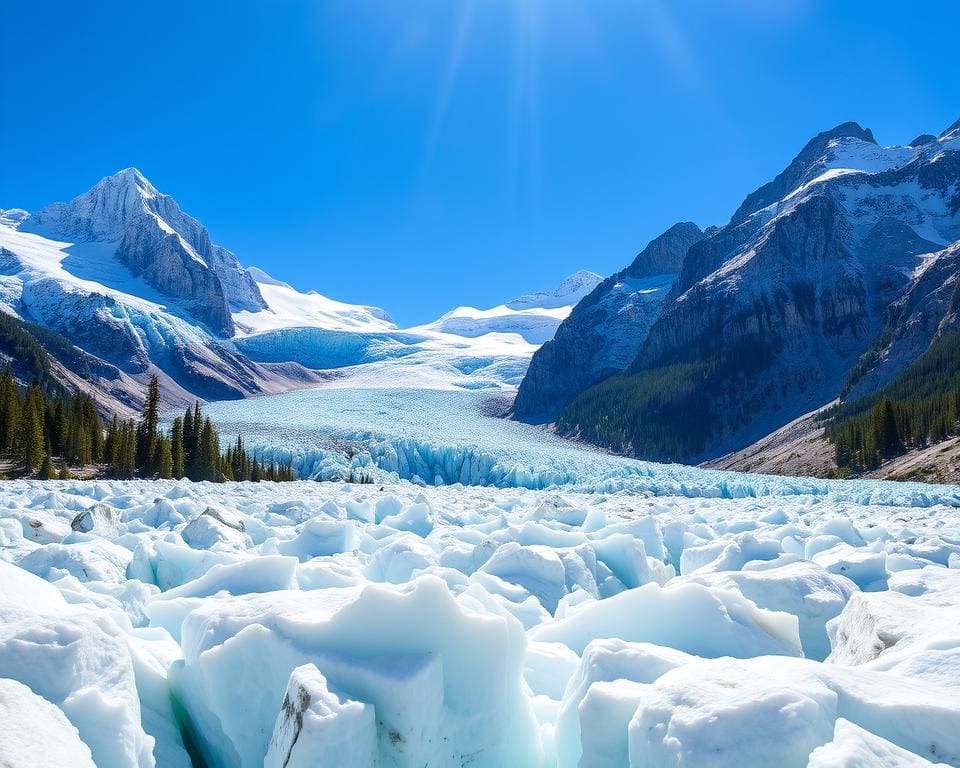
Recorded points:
(499,597)
(439,437)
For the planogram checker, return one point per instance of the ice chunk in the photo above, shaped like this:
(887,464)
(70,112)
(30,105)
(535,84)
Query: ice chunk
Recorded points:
(548,666)
(864,567)
(443,674)
(722,714)
(538,569)
(26,590)
(875,624)
(91,559)
(804,589)
(318,726)
(598,732)
(689,617)
(320,537)
(152,651)
(418,518)
(397,560)
(853,747)
(35,734)
(732,712)
(80,663)
(216,529)
(605,715)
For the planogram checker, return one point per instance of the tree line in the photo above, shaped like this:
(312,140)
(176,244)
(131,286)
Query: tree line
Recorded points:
(44,435)
(918,408)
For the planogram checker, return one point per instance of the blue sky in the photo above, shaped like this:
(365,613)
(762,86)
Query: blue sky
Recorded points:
(419,154)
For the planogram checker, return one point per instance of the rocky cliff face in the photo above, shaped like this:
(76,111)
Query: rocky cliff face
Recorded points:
(929,308)
(171,251)
(773,310)
(605,330)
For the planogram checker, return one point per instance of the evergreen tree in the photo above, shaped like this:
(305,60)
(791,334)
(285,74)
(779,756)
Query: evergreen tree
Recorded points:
(112,444)
(46,466)
(176,447)
(58,434)
(189,439)
(166,458)
(9,410)
(63,473)
(30,442)
(147,432)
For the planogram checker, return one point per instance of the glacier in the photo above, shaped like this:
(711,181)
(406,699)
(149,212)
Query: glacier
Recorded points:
(448,436)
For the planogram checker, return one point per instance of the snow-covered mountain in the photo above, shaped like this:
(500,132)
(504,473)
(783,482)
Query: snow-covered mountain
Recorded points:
(286,307)
(138,287)
(770,313)
(534,316)
(148,233)
(466,348)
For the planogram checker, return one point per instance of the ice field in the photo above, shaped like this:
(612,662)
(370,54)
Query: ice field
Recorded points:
(438,437)
(319,623)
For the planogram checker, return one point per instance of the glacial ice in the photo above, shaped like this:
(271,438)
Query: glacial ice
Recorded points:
(445,437)
(34,733)
(659,619)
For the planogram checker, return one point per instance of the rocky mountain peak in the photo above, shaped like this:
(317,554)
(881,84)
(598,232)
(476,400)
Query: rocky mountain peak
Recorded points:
(665,253)
(795,173)
(156,240)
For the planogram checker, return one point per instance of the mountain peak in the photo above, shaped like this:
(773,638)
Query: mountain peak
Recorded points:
(665,253)
(847,130)
(129,178)
(568,293)
(794,173)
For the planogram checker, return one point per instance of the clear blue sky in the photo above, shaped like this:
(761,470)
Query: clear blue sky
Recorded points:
(419,154)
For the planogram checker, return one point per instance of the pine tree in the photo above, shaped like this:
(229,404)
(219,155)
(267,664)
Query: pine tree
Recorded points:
(147,436)
(209,452)
(188,442)
(112,445)
(166,458)
(9,410)
(63,473)
(30,441)
(46,466)
(58,435)
(176,447)
(887,437)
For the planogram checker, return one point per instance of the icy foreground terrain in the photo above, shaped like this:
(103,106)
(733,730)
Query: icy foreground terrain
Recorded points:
(304,624)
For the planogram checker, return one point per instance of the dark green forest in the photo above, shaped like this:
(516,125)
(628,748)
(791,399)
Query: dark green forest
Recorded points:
(44,431)
(920,407)
(668,412)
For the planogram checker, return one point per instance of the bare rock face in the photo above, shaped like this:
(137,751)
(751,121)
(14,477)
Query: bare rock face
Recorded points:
(928,309)
(606,328)
(158,242)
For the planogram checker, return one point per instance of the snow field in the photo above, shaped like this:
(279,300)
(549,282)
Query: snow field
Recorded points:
(308,623)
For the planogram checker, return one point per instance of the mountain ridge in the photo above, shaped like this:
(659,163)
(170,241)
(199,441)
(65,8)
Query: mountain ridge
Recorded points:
(770,313)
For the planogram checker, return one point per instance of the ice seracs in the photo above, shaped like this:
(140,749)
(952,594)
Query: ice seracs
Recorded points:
(275,623)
